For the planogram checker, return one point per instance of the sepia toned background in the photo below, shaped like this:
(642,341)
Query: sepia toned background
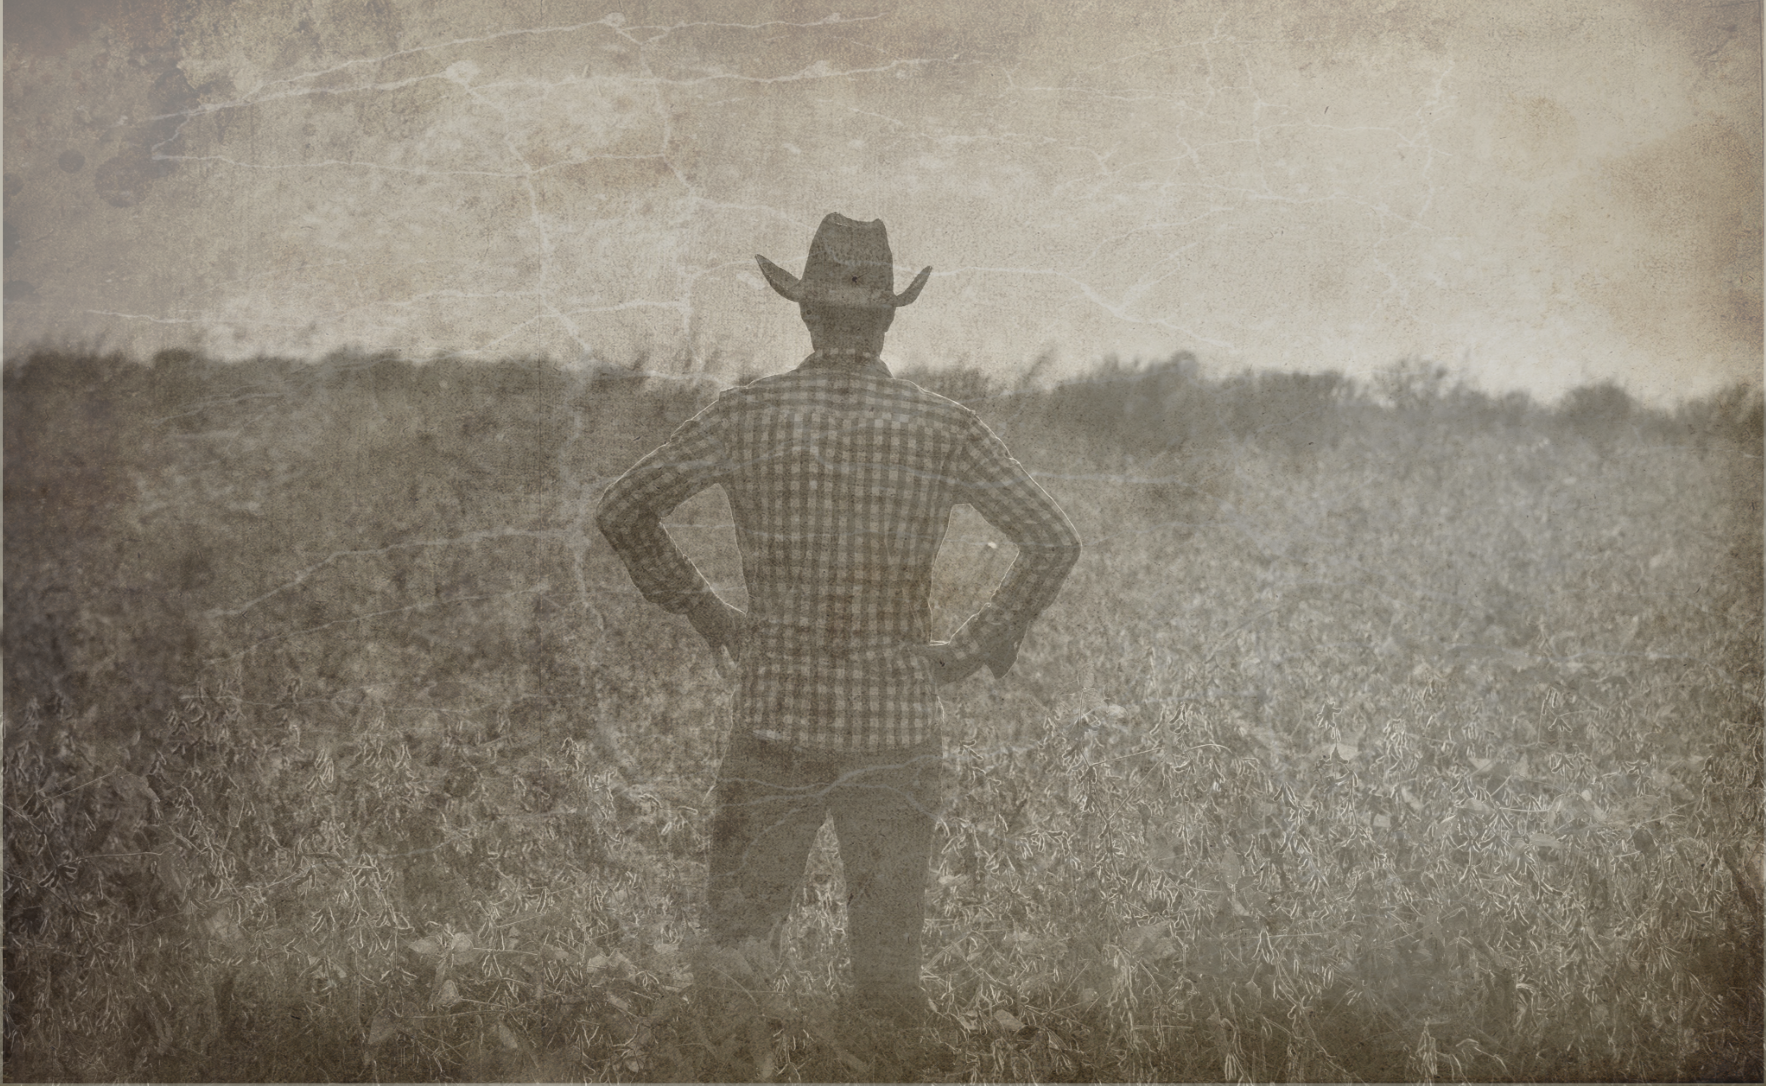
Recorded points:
(1398,723)
(1538,196)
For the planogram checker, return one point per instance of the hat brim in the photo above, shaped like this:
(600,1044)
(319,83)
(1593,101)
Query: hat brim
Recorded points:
(794,289)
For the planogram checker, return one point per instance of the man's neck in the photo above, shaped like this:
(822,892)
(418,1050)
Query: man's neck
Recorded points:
(848,350)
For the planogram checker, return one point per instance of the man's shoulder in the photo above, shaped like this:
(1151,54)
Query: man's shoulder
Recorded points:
(808,389)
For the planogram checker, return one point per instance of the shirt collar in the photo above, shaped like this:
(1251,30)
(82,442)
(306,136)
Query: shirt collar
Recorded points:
(852,359)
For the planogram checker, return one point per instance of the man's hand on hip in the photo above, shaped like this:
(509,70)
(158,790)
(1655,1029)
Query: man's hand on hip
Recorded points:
(948,665)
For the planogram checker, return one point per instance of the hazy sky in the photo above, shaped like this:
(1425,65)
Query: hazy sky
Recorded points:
(1542,194)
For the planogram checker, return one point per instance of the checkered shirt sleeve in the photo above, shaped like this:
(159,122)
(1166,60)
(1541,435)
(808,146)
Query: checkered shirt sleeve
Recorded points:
(632,508)
(841,480)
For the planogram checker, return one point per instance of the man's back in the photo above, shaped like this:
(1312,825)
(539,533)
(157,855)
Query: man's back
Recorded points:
(842,485)
(841,479)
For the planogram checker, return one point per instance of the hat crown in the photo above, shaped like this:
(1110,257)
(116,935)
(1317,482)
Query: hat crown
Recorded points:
(844,248)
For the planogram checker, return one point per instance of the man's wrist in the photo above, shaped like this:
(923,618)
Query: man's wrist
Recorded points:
(716,621)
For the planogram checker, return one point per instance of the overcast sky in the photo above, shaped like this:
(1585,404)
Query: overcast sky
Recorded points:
(1540,194)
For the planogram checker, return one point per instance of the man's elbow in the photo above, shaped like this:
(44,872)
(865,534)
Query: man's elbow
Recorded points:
(1059,555)
(1068,545)
(1068,554)
(614,522)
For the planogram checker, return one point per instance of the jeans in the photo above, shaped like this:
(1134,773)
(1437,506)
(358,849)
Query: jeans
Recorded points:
(771,799)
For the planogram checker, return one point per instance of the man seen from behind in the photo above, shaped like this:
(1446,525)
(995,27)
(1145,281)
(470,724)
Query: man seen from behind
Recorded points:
(841,479)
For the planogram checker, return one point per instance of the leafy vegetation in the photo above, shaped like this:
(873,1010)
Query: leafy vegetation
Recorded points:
(1387,732)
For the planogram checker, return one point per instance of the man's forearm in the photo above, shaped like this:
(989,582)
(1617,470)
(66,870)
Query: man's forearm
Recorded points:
(631,510)
(993,634)
(661,572)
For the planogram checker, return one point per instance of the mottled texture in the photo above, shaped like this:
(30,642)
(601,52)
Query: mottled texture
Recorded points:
(1544,195)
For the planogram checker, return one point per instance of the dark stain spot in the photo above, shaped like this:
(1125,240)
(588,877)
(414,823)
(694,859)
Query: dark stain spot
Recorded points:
(18,288)
(71,161)
(12,240)
(14,185)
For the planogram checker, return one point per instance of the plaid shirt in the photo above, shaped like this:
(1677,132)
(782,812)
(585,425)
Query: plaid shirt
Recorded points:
(841,479)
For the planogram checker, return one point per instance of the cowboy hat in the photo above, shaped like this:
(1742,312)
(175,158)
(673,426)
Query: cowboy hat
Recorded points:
(849,265)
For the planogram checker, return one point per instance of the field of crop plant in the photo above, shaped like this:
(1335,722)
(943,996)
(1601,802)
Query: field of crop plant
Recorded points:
(1385,731)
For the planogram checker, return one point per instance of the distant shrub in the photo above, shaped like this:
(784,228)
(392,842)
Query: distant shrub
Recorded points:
(1601,414)
(1478,410)
(1733,414)
(1412,385)
(1162,407)
(1295,413)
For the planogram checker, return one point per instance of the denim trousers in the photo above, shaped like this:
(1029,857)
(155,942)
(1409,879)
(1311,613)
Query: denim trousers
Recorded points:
(772,798)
